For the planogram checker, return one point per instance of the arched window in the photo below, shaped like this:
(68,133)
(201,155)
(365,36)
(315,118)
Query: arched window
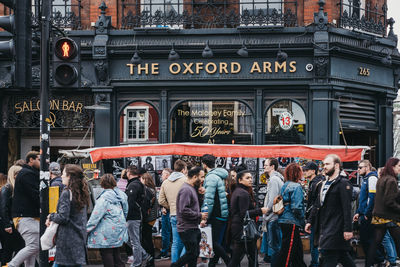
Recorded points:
(219,122)
(285,123)
(138,123)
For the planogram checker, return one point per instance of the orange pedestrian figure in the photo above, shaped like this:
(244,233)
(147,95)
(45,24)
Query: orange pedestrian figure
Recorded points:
(65,48)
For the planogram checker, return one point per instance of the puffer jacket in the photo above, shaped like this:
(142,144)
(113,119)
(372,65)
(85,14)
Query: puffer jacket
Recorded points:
(215,195)
(293,198)
(107,225)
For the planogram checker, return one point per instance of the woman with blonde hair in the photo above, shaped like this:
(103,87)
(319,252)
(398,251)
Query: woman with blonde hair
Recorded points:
(72,217)
(8,234)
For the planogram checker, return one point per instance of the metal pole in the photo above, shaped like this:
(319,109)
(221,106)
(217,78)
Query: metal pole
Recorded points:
(44,123)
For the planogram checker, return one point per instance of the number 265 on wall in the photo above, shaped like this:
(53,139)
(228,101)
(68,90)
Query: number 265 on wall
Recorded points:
(363,71)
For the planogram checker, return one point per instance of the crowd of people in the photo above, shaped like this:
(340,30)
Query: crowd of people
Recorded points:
(193,197)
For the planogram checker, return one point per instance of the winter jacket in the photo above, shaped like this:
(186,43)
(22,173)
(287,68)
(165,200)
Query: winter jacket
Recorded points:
(26,201)
(293,197)
(5,206)
(387,199)
(241,202)
(57,182)
(71,232)
(274,187)
(332,217)
(215,196)
(312,192)
(187,208)
(135,193)
(367,194)
(107,225)
(169,191)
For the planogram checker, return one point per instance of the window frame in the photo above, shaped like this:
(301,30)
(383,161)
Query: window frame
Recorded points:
(126,120)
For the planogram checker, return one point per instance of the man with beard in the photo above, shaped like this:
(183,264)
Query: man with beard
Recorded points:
(331,216)
(188,216)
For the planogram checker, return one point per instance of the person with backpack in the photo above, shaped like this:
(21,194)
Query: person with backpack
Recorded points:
(135,192)
(363,214)
(150,214)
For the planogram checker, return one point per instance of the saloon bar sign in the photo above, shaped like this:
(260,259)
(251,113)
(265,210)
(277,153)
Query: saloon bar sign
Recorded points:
(65,112)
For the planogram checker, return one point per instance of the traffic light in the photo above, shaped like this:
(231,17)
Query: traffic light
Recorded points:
(19,48)
(66,63)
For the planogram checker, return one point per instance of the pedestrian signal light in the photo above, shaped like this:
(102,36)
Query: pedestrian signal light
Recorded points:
(66,62)
(66,49)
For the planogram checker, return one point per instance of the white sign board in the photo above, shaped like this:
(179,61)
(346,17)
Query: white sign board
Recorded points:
(286,120)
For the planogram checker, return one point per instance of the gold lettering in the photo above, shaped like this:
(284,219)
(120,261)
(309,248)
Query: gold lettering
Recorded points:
(71,106)
(237,69)
(131,66)
(255,67)
(79,107)
(55,104)
(65,105)
(267,66)
(279,66)
(38,105)
(208,68)
(188,68)
(223,67)
(25,107)
(171,68)
(154,68)
(18,108)
(292,65)
(199,66)
(145,69)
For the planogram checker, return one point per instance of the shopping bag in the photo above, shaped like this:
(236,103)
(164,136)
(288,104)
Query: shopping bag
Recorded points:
(206,248)
(47,240)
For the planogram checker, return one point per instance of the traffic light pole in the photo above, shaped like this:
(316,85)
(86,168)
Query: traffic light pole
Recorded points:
(44,123)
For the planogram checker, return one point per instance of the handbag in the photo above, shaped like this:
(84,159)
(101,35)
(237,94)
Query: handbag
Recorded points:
(250,231)
(278,206)
(48,239)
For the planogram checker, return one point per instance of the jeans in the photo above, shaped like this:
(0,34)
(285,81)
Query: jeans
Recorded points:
(274,240)
(218,228)
(177,248)
(389,247)
(191,240)
(330,258)
(111,257)
(134,235)
(313,249)
(264,244)
(165,233)
(59,265)
(29,230)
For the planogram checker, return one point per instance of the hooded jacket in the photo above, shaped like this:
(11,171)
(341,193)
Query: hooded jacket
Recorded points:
(107,225)
(367,194)
(169,191)
(215,196)
(274,187)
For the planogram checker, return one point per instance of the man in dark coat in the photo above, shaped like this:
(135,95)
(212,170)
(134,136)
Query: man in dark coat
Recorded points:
(55,176)
(135,193)
(331,216)
(26,210)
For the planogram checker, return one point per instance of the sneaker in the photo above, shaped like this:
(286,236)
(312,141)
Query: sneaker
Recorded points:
(130,260)
(147,260)
(165,257)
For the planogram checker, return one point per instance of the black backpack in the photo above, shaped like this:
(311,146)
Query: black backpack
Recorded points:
(149,205)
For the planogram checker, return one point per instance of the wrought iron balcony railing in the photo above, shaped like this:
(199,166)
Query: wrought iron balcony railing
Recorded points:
(66,14)
(358,15)
(208,13)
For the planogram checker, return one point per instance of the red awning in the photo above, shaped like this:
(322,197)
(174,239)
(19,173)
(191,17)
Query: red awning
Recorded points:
(316,152)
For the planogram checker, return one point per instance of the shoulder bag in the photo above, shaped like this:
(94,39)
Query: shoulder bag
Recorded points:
(278,206)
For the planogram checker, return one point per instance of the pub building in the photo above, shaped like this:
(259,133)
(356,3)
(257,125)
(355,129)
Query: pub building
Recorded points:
(218,71)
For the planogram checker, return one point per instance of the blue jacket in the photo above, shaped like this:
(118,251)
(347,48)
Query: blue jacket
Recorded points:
(367,194)
(293,198)
(107,225)
(214,184)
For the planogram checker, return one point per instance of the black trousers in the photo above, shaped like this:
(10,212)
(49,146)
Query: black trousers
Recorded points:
(111,257)
(239,250)
(367,238)
(191,240)
(291,253)
(12,243)
(218,233)
(379,233)
(330,258)
(147,240)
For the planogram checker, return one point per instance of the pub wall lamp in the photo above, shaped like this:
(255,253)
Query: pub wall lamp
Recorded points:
(207,52)
(173,55)
(136,59)
(281,56)
(243,51)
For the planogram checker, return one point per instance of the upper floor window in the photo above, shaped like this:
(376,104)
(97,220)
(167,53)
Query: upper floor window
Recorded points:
(355,8)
